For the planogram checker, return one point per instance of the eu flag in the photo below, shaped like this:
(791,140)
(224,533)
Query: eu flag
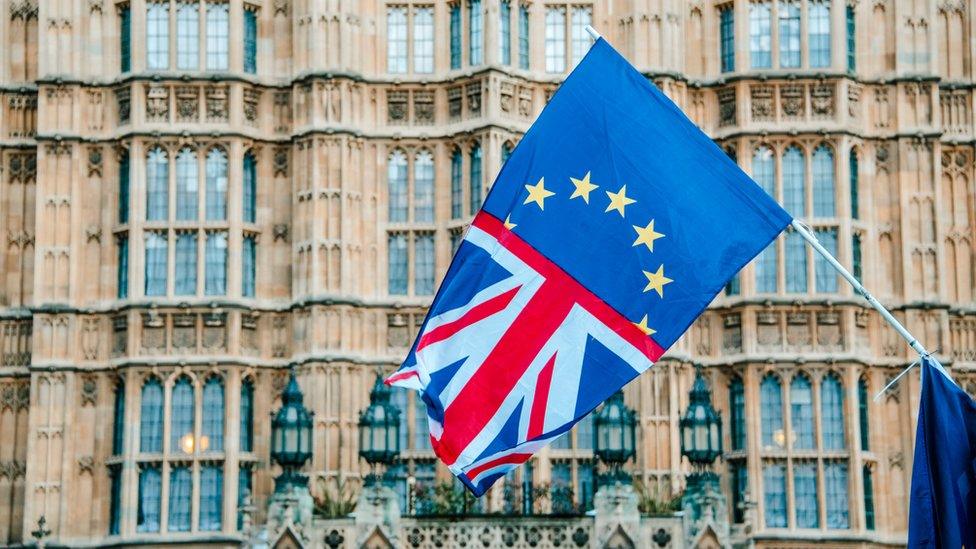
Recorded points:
(611,227)
(943,500)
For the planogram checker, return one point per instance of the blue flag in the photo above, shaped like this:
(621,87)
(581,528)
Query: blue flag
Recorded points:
(943,501)
(611,227)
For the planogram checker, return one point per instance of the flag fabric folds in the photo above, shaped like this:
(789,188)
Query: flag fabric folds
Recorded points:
(611,227)
(942,511)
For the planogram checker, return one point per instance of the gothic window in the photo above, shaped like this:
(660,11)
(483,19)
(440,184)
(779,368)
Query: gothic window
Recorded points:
(727,37)
(118,420)
(475,179)
(423,268)
(456,182)
(475,46)
(216,185)
(397,269)
(245,489)
(151,417)
(560,485)
(157,185)
(760,35)
(582,16)
(826,276)
(856,268)
(771,406)
(181,416)
(211,497)
(150,499)
(794,174)
(737,405)
(250,41)
(801,412)
(523,37)
(423,40)
(796,263)
(188,36)
(156,263)
(213,416)
(218,36)
(832,412)
(862,412)
(774,494)
(122,262)
(186,263)
(187,185)
(818,25)
(396,39)
(124,187)
(505,32)
(250,188)
(805,494)
(397,182)
(247,416)
(835,483)
(851,39)
(125,40)
(115,501)
(216,263)
(555,39)
(180,496)
(249,266)
(738,486)
(157,36)
(855,203)
(789,34)
(585,484)
(456,36)
(868,498)
(423,187)
(823,182)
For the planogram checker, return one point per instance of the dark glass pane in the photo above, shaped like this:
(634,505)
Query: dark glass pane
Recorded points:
(213,415)
(125,40)
(151,417)
(180,494)
(250,42)
(118,424)
(247,416)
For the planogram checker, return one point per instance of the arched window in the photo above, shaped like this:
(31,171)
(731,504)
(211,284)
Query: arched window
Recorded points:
(832,412)
(737,423)
(118,420)
(868,498)
(823,182)
(505,32)
(218,36)
(150,498)
(215,282)
(188,36)
(794,199)
(187,189)
(249,261)
(211,497)
(213,415)
(157,185)
(247,416)
(151,417)
(862,412)
(801,412)
(124,187)
(156,263)
(456,191)
(250,188)
(475,175)
(396,39)
(855,201)
(216,185)
(789,34)
(456,36)
(250,41)
(186,263)
(181,417)
(771,401)
(475,46)
(764,170)
(837,497)
(157,35)
(818,25)
(180,496)
(423,187)
(397,182)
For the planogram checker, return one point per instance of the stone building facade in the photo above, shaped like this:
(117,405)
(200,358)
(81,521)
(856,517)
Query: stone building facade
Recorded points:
(196,195)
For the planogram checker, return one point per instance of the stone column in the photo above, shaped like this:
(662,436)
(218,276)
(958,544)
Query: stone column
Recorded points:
(616,510)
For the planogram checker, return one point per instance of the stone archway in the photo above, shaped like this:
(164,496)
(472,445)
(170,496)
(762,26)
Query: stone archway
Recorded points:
(619,540)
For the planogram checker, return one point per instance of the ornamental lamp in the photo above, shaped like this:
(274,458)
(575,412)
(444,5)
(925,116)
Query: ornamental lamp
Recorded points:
(614,434)
(291,437)
(379,428)
(701,426)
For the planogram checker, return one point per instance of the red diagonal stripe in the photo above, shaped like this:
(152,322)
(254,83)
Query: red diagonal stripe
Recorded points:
(510,458)
(537,419)
(476,314)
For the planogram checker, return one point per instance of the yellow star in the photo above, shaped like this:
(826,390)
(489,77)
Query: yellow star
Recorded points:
(538,193)
(656,281)
(583,187)
(508,222)
(644,327)
(647,235)
(619,200)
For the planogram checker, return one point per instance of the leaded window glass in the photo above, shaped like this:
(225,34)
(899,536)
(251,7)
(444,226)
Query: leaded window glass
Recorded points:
(801,412)
(851,39)
(180,497)
(397,269)
(397,182)
(157,35)
(732,288)
(868,498)
(475,179)
(423,40)
(561,486)
(400,400)
(396,39)
(186,264)
(118,419)
(794,199)
(771,410)
(739,485)
(764,170)
(826,276)
(188,36)
(523,37)
(213,415)
(151,417)
(250,189)
(855,202)
(760,35)
(475,46)
(796,263)
(456,182)
(423,267)
(115,502)
(505,32)
(582,16)
(774,494)
(823,182)
(211,497)
(819,29)
(247,416)
(187,186)
(805,494)
(423,187)
(245,487)
(835,484)
(125,40)
(856,268)
(249,262)
(122,263)
(150,499)
(157,185)
(181,416)
(124,187)
(421,431)
(862,413)
(218,36)
(789,34)
(555,39)
(832,412)
(456,36)
(727,38)
(766,280)
(216,185)
(156,263)
(737,405)
(250,42)
(216,264)
(586,482)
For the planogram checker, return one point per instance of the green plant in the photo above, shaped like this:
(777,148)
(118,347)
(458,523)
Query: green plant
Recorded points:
(652,502)
(335,498)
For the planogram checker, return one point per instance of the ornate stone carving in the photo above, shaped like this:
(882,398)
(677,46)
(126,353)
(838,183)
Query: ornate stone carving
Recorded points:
(396,107)
(792,100)
(279,334)
(25,9)
(726,107)
(762,102)
(853,100)
(122,100)
(249,332)
(184,333)
(454,101)
(280,232)
(397,333)
(120,332)
(157,103)
(474,98)
(153,333)
(251,99)
(423,107)
(822,100)
(94,161)
(89,390)
(280,166)
(525,102)
(732,333)
(12,470)
(217,103)
(506,97)
(187,103)
(22,168)
(86,464)
(214,331)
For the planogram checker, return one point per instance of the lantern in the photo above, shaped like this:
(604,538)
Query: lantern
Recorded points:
(291,436)
(379,427)
(701,426)
(614,433)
